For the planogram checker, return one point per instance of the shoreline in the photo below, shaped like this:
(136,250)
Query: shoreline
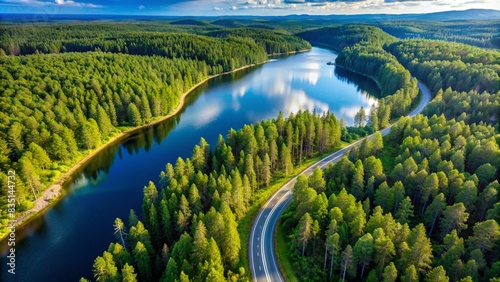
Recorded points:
(55,192)
(289,53)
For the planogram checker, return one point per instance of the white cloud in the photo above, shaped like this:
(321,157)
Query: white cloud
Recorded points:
(60,3)
(141,7)
(70,3)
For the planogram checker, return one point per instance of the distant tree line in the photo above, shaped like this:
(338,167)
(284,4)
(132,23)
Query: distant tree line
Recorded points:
(272,42)
(480,33)
(166,44)
(342,36)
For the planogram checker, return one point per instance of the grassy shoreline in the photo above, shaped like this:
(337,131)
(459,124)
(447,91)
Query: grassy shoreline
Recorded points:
(55,192)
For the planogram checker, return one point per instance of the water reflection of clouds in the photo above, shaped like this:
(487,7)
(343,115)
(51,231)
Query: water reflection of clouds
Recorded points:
(293,99)
(349,112)
(312,65)
(280,87)
(311,77)
(209,112)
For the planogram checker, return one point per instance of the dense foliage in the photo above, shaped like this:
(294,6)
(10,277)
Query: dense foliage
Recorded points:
(430,202)
(190,227)
(442,65)
(470,75)
(423,204)
(393,79)
(342,36)
(272,42)
(56,107)
(146,40)
(226,54)
(478,33)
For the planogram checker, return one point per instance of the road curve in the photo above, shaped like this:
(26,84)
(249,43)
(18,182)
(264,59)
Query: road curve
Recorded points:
(263,264)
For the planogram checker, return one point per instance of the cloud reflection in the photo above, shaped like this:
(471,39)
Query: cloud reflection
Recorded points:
(206,113)
(350,111)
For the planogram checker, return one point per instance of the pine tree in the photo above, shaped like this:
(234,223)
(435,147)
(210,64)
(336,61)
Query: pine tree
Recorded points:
(128,273)
(486,234)
(104,268)
(358,185)
(410,275)
(304,231)
(437,274)
(348,265)
(383,249)
(363,251)
(360,118)
(434,210)
(390,273)
(419,252)
(266,170)
(286,160)
(200,243)
(454,217)
(143,262)
(405,211)
(134,116)
(231,240)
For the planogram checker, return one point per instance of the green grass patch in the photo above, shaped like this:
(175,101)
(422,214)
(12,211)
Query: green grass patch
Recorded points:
(281,250)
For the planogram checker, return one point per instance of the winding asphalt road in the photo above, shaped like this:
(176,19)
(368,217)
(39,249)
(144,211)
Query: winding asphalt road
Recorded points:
(263,264)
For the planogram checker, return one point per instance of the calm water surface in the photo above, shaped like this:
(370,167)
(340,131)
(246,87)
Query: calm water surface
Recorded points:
(62,244)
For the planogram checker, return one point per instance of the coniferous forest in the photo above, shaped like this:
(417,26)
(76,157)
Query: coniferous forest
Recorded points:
(421,204)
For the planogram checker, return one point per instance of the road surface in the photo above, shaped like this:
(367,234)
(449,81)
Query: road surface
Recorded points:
(263,264)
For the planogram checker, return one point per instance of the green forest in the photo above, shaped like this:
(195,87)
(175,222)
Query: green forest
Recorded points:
(478,33)
(58,107)
(421,204)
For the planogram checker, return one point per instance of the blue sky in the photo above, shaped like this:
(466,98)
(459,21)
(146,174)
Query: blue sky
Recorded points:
(238,7)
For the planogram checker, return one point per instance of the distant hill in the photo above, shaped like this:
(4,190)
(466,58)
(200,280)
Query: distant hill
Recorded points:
(472,14)
(227,23)
(189,22)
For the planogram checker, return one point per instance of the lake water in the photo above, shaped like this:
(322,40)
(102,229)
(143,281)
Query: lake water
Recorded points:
(62,244)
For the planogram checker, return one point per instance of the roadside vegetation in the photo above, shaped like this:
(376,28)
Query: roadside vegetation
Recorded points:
(431,213)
